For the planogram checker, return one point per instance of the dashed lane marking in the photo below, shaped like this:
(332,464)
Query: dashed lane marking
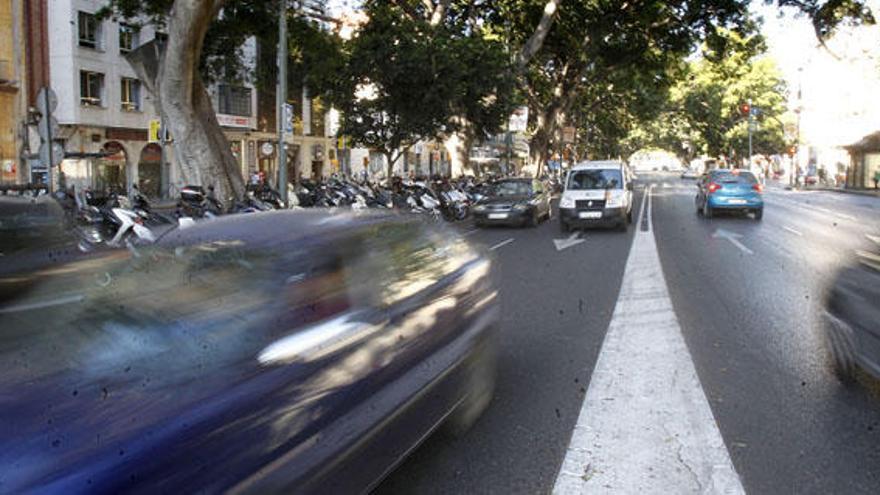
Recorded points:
(501,244)
(795,232)
(645,425)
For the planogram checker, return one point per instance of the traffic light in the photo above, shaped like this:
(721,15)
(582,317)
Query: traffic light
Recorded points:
(745,108)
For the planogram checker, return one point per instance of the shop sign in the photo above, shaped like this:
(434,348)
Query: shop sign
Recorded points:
(234,121)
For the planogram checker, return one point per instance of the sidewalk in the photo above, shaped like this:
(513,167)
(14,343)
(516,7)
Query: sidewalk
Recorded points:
(860,192)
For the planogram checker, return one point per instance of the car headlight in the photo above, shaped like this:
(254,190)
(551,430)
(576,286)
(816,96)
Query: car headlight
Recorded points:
(479,208)
(566,202)
(520,207)
(614,202)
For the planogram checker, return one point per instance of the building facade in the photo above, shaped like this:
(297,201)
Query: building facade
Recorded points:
(13,91)
(105,112)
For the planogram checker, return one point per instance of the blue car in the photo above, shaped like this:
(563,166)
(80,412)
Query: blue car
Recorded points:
(279,352)
(724,190)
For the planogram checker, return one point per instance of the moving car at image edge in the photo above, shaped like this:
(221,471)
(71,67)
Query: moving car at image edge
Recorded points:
(729,191)
(852,316)
(596,193)
(517,202)
(268,353)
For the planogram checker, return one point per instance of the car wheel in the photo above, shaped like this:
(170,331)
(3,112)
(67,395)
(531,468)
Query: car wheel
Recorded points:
(563,227)
(841,348)
(623,226)
(479,386)
(759,213)
(532,221)
(629,216)
(707,211)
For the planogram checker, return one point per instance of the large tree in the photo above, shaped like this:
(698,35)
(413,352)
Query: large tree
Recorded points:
(204,42)
(416,74)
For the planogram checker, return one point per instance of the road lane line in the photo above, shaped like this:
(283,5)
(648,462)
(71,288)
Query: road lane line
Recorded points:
(472,231)
(501,244)
(645,425)
(795,232)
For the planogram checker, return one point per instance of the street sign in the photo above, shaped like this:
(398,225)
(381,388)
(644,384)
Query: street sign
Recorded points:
(153,135)
(288,119)
(519,120)
(568,134)
(57,153)
(46,95)
(48,128)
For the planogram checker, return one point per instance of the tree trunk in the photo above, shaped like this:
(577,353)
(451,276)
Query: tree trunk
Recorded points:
(536,40)
(170,74)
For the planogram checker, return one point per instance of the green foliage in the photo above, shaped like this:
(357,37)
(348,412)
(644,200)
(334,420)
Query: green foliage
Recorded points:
(426,81)
(827,15)
(703,113)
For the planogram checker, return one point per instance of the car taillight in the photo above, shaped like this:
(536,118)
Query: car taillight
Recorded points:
(758,187)
(713,186)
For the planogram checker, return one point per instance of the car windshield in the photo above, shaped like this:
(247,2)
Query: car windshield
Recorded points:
(513,188)
(595,179)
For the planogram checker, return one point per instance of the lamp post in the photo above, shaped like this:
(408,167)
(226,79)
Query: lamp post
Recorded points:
(282,101)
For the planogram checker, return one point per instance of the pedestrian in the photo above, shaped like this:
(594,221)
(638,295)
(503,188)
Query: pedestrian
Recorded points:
(877,179)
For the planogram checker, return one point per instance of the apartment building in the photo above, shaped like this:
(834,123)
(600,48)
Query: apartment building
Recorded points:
(13,96)
(105,111)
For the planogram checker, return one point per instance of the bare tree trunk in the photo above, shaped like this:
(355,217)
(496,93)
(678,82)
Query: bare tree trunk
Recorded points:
(536,40)
(170,74)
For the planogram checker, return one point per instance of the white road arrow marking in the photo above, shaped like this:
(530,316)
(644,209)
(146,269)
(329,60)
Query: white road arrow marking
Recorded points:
(573,240)
(795,232)
(733,237)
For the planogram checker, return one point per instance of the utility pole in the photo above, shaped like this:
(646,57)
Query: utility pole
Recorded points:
(282,101)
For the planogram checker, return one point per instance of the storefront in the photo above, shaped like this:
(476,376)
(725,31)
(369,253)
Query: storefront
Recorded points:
(865,156)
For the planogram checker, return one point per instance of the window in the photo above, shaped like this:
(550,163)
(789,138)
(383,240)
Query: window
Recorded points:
(89,30)
(129,38)
(91,87)
(131,94)
(234,100)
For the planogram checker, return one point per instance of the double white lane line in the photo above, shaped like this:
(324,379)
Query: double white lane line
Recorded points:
(645,425)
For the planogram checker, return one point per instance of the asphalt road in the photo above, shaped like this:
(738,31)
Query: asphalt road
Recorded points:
(747,295)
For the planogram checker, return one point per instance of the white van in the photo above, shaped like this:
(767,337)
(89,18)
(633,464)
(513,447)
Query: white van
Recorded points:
(597,193)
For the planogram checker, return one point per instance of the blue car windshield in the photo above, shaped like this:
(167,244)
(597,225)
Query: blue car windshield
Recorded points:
(581,180)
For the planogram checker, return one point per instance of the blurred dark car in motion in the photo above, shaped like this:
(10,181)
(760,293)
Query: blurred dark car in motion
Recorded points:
(852,316)
(275,352)
(518,202)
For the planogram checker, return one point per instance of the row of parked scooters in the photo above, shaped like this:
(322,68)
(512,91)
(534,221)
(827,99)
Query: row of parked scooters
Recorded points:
(115,220)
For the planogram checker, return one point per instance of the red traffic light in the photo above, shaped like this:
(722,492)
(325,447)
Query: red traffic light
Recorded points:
(745,108)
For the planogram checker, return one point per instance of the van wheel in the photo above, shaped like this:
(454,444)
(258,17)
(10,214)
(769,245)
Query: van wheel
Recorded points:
(563,227)
(759,214)
(629,216)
